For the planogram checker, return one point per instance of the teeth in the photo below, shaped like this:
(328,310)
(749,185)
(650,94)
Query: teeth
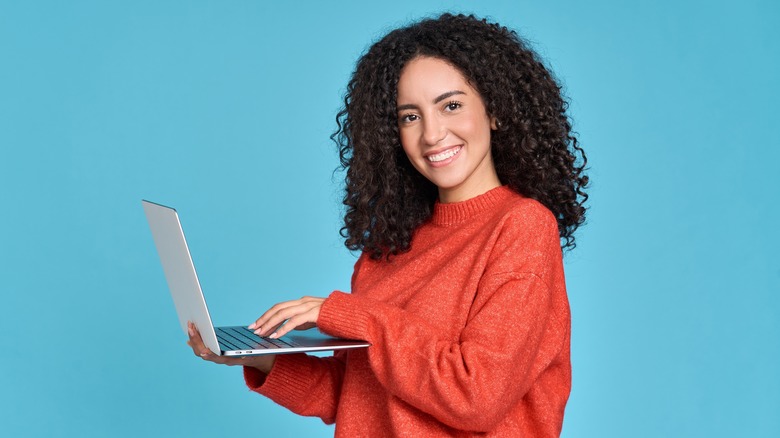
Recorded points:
(444,155)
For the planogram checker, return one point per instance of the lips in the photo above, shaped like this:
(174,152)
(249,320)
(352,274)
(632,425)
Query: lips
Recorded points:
(444,155)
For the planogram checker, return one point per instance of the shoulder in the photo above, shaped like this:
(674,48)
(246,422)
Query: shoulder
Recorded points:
(526,237)
(527,216)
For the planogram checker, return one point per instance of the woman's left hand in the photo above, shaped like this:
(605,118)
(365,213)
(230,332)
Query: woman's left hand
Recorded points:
(300,314)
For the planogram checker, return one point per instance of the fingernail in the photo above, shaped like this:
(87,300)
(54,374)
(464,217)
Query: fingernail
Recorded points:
(258,331)
(251,326)
(274,335)
(203,354)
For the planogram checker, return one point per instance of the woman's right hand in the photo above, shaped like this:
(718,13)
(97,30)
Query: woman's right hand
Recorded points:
(264,363)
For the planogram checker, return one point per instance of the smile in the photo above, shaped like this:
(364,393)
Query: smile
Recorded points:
(441,156)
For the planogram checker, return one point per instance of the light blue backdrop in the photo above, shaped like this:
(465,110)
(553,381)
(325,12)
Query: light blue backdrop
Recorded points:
(223,109)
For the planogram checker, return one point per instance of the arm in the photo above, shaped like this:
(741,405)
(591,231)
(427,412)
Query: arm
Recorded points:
(306,385)
(469,383)
(516,329)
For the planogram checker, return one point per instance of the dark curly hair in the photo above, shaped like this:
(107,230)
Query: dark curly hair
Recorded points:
(534,149)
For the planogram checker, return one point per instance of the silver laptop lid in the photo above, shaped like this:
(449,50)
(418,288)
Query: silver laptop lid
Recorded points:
(180,271)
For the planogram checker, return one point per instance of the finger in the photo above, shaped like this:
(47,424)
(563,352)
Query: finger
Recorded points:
(294,322)
(271,325)
(270,312)
(194,334)
(275,321)
(270,329)
(278,307)
(196,341)
(210,356)
(200,349)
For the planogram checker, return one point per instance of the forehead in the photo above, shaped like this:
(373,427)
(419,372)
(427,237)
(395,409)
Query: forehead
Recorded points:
(426,77)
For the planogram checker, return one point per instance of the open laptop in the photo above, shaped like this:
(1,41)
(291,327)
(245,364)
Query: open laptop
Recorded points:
(191,305)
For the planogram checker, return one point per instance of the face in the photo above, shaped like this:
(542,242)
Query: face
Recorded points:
(445,129)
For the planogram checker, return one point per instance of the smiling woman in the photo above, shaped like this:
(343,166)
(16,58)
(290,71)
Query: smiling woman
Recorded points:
(462,180)
(445,134)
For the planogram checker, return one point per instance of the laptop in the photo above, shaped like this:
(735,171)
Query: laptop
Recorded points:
(191,305)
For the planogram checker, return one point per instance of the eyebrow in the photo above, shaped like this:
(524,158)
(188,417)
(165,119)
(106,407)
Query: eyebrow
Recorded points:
(435,101)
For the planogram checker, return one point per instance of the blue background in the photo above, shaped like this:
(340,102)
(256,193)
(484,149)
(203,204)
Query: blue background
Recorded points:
(223,109)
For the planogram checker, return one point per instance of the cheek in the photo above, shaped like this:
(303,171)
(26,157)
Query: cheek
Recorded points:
(411,150)
(476,127)
(478,131)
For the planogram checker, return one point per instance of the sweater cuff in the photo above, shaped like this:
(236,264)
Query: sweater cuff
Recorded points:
(345,316)
(283,384)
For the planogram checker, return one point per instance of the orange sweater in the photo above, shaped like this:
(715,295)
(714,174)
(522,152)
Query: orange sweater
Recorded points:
(469,331)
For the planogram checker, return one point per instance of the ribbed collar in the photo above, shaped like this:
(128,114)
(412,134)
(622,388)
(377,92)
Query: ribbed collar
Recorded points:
(457,212)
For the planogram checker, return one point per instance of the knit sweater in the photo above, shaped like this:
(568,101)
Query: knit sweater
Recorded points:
(469,332)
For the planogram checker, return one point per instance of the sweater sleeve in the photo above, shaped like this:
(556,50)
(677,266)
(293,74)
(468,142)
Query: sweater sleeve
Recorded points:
(306,385)
(469,383)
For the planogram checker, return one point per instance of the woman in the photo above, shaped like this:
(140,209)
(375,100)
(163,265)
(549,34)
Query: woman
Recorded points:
(463,182)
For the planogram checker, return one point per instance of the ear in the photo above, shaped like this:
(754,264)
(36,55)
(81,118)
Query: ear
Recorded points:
(494,123)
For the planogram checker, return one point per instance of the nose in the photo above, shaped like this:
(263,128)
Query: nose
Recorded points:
(433,130)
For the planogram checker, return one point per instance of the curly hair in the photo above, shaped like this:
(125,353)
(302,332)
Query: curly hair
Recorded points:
(534,149)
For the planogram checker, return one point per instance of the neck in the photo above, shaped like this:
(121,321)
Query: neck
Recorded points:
(466,192)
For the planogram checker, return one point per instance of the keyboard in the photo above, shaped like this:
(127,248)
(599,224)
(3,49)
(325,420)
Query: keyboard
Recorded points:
(241,338)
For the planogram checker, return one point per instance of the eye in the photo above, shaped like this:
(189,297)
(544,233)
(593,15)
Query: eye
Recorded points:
(452,105)
(408,118)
